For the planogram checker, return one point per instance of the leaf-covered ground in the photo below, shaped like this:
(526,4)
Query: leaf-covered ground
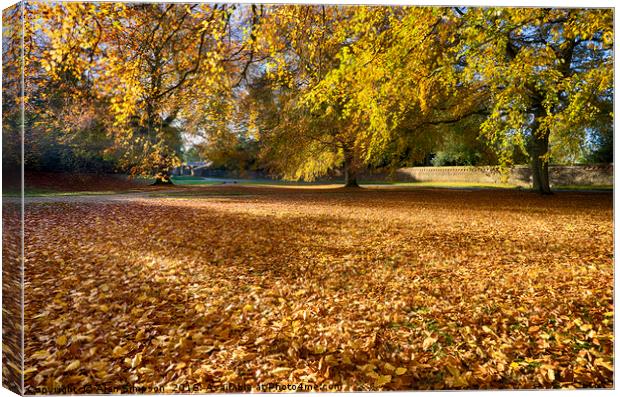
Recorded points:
(12,353)
(349,290)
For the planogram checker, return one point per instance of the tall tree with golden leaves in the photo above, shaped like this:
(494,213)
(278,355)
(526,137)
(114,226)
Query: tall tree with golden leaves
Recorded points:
(152,65)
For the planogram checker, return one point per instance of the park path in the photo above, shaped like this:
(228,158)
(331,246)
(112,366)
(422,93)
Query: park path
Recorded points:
(131,196)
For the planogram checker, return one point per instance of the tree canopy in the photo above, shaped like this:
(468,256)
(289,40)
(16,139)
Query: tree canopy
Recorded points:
(311,89)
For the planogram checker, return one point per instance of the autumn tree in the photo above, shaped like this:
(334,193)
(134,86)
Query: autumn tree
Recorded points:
(524,77)
(232,142)
(323,87)
(599,148)
(63,121)
(12,98)
(153,65)
(391,89)
(545,70)
(393,84)
(302,43)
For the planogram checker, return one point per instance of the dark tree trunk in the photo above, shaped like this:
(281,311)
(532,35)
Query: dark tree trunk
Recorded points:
(538,148)
(350,170)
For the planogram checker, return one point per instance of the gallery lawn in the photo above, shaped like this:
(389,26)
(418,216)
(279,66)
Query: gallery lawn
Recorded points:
(355,289)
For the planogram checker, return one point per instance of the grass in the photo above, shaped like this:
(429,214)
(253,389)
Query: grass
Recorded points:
(583,187)
(184,182)
(187,180)
(196,193)
(192,180)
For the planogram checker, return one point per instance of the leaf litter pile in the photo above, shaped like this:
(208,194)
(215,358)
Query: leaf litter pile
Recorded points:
(345,290)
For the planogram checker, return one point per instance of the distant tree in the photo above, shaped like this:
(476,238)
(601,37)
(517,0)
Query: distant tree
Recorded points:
(600,146)
(192,154)
(231,152)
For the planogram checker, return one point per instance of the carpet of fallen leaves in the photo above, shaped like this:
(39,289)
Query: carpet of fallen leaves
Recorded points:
(349,290)
(11,298)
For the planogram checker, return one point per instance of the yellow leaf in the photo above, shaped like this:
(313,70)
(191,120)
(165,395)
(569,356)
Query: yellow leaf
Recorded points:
(40,355)
(248,308)
(104,308)
(389,367)
(74,379)
(295,325)
(456,381)
(602,363)
(550,374)
(61,340)
(140,335)
(454,371)
(383,380)
(400,370)
(280,371)
(428,342)
(179,365)
(136,361)
(366,367)
(119,351)
(75,364)
(145,370)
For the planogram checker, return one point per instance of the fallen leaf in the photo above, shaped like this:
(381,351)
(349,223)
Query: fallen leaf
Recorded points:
(383,380)
(428,343)
(280,370)
(75,364)
(61,340)
(136,361)
(119,351)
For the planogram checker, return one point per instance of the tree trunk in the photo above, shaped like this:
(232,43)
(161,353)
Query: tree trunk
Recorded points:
(539,146)
(350,170)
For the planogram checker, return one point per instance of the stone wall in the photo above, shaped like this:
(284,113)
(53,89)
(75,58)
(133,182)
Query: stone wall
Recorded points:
(598,174)
(588,175)
(206,172)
